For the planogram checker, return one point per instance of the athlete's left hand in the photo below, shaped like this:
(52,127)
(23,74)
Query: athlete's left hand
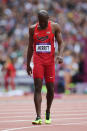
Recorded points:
(59,59)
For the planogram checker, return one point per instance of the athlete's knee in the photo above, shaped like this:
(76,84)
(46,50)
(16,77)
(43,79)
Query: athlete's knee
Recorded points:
(51,92)
(37,89)
(50,89)
(38,85)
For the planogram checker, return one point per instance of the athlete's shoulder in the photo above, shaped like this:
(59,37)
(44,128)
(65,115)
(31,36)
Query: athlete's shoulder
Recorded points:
(32,28)
(55,26)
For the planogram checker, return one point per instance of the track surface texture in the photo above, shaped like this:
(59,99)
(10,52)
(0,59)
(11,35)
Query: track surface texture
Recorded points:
(68,113)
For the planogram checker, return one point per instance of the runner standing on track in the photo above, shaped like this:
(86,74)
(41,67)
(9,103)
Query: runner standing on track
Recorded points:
(41,46)
(10,73)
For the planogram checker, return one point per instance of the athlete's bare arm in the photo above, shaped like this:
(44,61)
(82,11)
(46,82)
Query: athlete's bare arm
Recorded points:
(30,49)
(57,31)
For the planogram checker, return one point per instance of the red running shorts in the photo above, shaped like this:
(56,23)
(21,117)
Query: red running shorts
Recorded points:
(44,71)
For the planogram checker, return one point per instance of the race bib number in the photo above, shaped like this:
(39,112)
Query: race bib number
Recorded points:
(43,48)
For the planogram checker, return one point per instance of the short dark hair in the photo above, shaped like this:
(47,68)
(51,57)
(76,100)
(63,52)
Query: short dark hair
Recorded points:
(43,13)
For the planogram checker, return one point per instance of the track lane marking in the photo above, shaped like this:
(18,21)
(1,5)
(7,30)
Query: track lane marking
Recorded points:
(16,112)
(79,114)
(13,121)
(64,124)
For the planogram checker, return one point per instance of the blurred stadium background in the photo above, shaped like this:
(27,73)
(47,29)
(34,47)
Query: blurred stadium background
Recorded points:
(15,18)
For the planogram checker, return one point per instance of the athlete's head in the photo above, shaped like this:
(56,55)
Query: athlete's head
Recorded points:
(43,18)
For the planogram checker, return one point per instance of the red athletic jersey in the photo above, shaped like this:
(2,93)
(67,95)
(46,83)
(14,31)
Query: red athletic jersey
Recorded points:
(43,45)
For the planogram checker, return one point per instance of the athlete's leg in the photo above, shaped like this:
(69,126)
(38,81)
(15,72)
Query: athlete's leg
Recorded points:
(12,82)
(6,82)
(49,78)
(50,95)
(37,95)
(38,73)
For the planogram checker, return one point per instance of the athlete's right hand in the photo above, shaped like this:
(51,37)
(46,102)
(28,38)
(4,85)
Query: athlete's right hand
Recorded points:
(29,70)
(59,59)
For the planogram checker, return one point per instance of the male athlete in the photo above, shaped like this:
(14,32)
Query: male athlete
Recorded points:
(41,46)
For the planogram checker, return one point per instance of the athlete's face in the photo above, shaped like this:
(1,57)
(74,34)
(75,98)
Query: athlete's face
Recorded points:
(43,21)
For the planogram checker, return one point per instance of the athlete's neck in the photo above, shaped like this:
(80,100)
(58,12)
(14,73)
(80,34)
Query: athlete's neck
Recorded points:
(40,28)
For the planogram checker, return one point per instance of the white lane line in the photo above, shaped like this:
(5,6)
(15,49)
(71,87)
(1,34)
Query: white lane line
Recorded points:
(60,119)
(38,126)
(21,102)
(28,109)
(16,113)
(56,105)
(30,116)
(29,112)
